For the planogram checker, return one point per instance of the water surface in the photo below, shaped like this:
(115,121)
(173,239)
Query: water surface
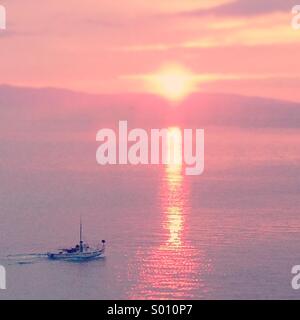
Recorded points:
(233,232)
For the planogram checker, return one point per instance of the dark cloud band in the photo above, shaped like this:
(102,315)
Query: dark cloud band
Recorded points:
(246,8)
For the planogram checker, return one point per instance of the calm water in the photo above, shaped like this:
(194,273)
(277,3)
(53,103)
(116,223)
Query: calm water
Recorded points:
(233,232)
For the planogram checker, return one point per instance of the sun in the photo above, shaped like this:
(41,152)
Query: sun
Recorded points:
(172,81)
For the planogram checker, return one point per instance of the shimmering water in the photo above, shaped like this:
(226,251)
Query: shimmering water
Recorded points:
(233,232)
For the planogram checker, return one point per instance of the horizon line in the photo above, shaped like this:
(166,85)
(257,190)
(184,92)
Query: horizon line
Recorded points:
(140,93)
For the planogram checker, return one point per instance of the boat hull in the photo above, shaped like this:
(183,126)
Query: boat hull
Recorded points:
(80,256)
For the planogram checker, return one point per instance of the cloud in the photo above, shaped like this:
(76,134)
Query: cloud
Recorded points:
(245,8)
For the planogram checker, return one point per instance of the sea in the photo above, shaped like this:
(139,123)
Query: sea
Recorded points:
(231,233)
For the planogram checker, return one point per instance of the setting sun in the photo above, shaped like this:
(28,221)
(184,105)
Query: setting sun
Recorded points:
(173,82)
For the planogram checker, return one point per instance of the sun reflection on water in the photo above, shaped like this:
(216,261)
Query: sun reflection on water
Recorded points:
(173,202)
(170,269)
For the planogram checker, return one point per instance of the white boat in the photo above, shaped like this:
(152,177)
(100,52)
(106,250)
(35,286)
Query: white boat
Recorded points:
(81,252)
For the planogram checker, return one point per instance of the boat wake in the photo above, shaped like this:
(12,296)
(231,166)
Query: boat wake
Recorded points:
(28,258)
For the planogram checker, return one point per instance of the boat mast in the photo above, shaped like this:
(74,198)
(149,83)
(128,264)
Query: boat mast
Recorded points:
(81,242)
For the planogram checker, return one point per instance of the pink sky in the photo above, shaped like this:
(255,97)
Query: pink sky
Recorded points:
(248,47)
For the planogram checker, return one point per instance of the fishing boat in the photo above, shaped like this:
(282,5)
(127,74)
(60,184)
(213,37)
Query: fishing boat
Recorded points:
(81,252)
